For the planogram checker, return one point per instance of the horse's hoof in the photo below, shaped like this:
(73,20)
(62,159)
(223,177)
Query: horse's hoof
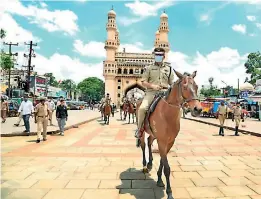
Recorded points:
(149,166)
(160,183)
(145,170)
(170,196)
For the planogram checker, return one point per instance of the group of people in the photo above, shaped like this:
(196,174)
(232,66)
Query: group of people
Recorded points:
(42,112)
(236,116)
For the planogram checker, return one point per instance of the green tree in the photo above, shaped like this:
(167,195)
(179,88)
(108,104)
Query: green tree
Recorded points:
(253,66)
(69,86)
(52,79)
(211,91)
(6,61)
(92,88)
(2,33)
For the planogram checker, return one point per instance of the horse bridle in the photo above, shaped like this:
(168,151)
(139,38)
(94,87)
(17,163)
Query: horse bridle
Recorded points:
(183,100)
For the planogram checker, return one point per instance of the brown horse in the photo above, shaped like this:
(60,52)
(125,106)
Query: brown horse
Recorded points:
(131,111)
(107,113)
(164,123)
(124,110)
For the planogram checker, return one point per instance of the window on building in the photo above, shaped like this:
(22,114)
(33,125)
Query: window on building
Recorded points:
(131,71)
(119,80)
(119,95)
(119,72)
(125,71)
(119,87)
(141,71)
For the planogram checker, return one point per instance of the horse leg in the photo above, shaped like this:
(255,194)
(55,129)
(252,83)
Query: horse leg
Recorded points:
(108,121)
(129,117)
(150,153)
(133,118)
(159,174)
(167,174)
(144,162)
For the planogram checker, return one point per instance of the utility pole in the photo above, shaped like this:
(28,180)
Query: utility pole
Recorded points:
(9,69)
(29,67)
(238,88)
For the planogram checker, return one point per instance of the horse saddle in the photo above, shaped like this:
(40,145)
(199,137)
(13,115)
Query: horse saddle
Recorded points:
(155,101)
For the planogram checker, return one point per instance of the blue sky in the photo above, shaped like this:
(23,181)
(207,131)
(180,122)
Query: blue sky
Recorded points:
(211,37)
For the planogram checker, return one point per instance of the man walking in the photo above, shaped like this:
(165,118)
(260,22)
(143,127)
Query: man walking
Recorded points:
(20,117)
(61,115)
(51,106)
(41,118)
(4,109)
(237,113)
(26,109)
(222,115)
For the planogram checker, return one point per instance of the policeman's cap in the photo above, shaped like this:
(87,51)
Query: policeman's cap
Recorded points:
(159,51)
(42,99)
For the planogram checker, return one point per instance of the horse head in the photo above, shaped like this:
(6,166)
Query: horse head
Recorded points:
(188,92)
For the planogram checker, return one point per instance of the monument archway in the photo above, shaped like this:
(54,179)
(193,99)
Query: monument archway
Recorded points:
(135,89)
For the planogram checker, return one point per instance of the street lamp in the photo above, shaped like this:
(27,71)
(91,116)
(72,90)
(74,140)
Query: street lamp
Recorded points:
(224,88)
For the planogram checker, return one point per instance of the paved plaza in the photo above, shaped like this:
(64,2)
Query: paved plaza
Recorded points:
(101,162)
(74,117)
(249,125)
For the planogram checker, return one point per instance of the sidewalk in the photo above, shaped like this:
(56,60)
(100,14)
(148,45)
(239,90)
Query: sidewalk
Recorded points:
(75,118)
(249,126)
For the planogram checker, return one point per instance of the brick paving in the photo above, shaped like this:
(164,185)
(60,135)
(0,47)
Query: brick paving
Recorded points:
(75,116)
(97,161)
(250,124)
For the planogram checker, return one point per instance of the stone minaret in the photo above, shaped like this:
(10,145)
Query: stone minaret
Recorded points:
(157,37)
(111,45)
(163,34)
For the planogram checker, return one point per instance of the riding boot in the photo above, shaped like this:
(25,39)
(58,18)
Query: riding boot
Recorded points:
(222,131)
(236,133)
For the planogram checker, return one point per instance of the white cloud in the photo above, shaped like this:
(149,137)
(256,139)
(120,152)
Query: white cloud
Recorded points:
(251,18)
(64,67)
(258,25)
(142,10)
(207,16)
(239,28)
(91,49)
(14,32)
(57,20)
(96,49)
(225,64)
(43,5)
(204,17)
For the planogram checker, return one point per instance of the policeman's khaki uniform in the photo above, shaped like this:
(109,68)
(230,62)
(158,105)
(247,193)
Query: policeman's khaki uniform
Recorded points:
(157,75)
(41,112)
(222,113)
(237,111)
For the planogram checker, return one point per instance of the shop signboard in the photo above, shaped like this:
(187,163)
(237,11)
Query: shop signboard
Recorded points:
(244,94)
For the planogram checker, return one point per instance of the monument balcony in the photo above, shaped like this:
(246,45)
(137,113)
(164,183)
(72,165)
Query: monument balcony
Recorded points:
(111,26)
(111,44)
(129,75)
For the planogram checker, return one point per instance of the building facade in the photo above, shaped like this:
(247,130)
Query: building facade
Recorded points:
(122,71)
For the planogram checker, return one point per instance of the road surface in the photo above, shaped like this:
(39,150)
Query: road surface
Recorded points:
(97,161)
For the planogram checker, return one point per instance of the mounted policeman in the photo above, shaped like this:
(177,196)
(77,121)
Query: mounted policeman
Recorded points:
(155,79)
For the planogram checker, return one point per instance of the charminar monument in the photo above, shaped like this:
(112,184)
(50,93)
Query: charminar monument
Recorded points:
(122,71)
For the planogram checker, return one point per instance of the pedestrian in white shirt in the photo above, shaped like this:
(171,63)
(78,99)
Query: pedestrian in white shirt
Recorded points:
(26,109)
(51,106)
